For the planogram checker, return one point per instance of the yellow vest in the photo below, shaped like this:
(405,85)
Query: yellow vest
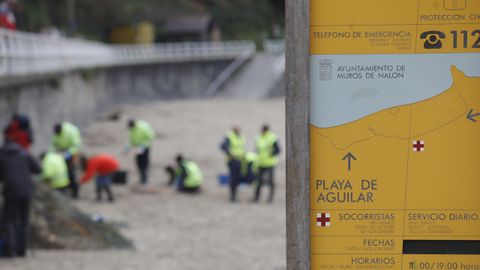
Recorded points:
(54,170)
(142,134)
(68,140)
(250,158)
(194,175)
(236,145)
(265,143)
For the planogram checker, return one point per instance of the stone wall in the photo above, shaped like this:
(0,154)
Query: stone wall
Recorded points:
(78,96)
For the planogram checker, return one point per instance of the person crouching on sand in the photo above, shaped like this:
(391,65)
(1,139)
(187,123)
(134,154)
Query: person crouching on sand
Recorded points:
(187,176)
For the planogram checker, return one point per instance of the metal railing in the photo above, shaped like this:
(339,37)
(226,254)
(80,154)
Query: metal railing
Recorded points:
(186,51)
(24,54)
(274,46)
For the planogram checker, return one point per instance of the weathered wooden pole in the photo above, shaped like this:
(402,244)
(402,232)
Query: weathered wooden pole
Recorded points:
(386,86)
(297,120)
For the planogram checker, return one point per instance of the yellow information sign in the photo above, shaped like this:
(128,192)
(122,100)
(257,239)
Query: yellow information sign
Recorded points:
(395,134)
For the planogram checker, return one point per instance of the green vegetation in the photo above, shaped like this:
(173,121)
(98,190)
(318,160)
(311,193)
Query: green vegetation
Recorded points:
(238,19)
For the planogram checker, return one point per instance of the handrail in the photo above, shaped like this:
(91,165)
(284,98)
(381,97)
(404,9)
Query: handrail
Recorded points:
(23,54)
(274,46)
(225,75)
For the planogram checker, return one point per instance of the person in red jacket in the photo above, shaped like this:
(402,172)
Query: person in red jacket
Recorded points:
(7,14)
(103,167)
(20,131)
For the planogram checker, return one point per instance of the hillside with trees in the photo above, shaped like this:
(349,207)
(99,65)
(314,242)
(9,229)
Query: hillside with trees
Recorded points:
(93,19)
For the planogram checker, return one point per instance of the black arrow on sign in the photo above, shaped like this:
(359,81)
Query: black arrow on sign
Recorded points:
(471,116)
(349,157)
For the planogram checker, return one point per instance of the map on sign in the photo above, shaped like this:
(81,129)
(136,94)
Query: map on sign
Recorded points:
(395,134)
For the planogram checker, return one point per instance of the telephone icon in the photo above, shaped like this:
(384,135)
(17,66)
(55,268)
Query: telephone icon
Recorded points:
(433,39)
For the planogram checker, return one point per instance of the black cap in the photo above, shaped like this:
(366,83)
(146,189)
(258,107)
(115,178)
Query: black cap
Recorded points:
(179,158)
(131,123)
(265,127)
(57,128)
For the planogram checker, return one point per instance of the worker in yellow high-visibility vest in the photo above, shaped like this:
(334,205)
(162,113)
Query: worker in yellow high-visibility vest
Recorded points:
(267,150)
(234,148)
(189,176)
(142,136)
(55,171)
(67,141)
(250,168)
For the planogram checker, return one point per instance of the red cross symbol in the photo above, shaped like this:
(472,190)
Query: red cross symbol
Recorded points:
(323,220)
(418,146)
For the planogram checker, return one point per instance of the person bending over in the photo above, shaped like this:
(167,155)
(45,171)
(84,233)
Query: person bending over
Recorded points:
(102,166)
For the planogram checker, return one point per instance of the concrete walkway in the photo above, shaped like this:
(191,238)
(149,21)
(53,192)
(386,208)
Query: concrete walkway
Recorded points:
(256,79)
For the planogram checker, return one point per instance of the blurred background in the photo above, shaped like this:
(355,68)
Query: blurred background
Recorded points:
(113,21)
(142,134)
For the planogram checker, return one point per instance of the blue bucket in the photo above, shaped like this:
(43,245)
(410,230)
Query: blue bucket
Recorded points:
(223,179)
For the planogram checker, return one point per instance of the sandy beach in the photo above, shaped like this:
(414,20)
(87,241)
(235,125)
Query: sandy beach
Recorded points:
(171,230)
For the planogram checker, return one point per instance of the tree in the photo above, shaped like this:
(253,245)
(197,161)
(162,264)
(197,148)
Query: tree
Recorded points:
(238,19)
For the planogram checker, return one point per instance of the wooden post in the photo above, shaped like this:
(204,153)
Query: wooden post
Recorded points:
(297,123)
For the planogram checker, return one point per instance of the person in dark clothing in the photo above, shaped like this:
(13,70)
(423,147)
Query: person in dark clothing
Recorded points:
(172,175)
(142,160)
(16,167)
